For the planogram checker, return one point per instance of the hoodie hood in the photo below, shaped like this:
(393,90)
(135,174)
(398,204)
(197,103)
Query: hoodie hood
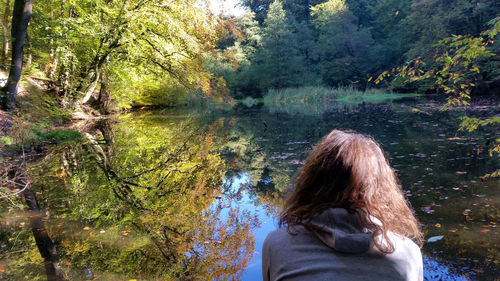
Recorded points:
(342,231)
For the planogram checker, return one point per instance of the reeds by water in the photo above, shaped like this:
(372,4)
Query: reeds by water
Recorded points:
(321,95)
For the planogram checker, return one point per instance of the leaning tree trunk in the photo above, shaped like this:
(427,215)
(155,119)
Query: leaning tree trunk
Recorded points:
(5,32)
(20,19)
(103,100)
(89,84)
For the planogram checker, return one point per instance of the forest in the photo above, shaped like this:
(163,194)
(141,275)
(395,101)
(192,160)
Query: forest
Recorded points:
(148,53)
(156,140)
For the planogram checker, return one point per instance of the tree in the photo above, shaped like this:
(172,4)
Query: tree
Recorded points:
(5,32)
(236,67)
(259,7)
(138,48)
(20,19)
(429,21)
(385,25)
(343,49)
(278,61)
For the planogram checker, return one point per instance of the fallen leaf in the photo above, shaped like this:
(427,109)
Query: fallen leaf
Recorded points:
(485,230)
(86,228)
(453,229)
(437,225)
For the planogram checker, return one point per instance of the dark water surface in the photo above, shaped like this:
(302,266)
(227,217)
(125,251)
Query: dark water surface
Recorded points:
(191,194)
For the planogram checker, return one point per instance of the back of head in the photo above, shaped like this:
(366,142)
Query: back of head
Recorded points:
(350,171)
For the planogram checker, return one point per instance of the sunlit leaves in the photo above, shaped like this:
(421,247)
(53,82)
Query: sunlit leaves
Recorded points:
(156,42)
(324,13)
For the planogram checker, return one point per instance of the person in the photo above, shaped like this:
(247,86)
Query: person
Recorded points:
(346,219)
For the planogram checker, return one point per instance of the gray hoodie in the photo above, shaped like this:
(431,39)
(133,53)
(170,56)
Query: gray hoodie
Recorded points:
(343,251)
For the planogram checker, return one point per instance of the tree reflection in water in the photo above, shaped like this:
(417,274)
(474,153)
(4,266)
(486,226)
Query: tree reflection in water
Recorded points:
(149,197)
(137,199)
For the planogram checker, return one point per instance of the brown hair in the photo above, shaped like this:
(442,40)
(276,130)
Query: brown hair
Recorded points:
(350,171)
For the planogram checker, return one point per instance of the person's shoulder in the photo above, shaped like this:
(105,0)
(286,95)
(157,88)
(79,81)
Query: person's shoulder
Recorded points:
(278,238)
(408,257)
(277,235)
(406,245)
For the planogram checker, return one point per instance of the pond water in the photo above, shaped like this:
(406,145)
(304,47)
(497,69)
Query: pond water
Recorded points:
(190,194)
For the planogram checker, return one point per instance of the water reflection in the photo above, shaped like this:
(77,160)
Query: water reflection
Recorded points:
(137,200)
(439,169)
(181,195)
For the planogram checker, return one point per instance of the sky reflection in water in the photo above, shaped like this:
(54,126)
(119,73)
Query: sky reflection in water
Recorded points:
(262,147)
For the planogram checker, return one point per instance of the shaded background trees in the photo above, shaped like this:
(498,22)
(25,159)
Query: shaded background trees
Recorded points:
(345,42)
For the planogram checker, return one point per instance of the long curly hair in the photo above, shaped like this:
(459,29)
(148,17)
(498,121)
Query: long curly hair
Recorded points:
(349,170)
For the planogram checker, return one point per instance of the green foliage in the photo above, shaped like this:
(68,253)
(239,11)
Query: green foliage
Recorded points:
(304,95)
(131,87)
(146,43)
(6,140)
(59,136)
(278,62)
(344,42)
(432,20)
(343,49)
(273,45)
(456,66)
(327,96)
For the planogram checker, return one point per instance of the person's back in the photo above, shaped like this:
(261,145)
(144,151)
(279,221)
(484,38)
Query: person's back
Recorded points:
(341,252)
(345,219)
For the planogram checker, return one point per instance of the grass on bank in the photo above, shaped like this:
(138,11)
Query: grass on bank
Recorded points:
(319,94)
(33,121)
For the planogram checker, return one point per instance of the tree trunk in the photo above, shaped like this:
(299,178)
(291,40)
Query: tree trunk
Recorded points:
(89,85)
(45,245)
(5,32)
(104,99)
(20,19)
(52,65)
